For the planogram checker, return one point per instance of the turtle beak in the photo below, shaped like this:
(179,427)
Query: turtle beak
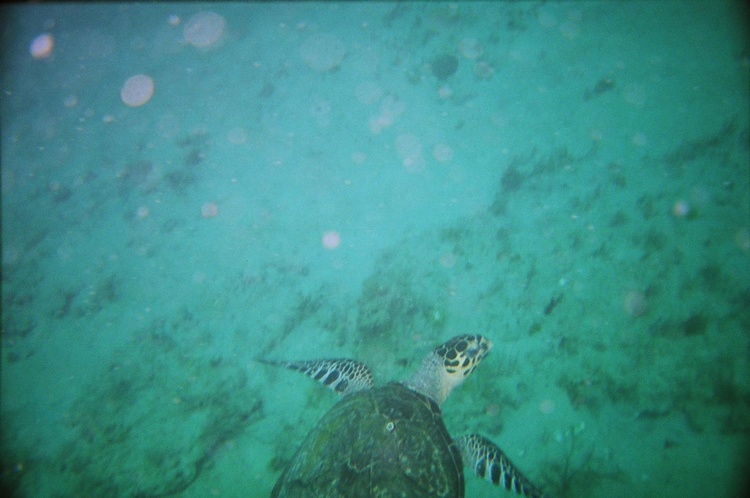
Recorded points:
(483,346)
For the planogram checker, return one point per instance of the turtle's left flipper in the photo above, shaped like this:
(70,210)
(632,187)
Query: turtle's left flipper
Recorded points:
(487,461)
(343,376)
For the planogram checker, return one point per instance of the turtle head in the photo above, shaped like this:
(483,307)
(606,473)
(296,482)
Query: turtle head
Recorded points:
(462,354)
(448,365)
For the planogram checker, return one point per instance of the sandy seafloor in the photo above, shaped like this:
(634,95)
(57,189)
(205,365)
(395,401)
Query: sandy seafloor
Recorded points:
(569,179)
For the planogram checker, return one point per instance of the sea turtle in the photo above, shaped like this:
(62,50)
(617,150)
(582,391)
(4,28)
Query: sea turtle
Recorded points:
(390,441)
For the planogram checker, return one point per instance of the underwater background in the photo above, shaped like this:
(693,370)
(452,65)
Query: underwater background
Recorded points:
(187,188)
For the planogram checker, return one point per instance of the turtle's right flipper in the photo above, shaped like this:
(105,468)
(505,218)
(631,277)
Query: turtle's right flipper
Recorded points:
(488,461)
(340,375)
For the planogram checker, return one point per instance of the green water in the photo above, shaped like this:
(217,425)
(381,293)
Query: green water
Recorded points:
(313,180)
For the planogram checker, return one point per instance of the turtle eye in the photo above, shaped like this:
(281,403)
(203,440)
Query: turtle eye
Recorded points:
(474,349)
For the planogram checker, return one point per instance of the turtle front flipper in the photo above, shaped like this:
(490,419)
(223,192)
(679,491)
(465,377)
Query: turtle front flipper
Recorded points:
(488,461)
(340,375)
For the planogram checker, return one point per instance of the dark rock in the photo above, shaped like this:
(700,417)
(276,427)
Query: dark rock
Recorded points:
(444,66)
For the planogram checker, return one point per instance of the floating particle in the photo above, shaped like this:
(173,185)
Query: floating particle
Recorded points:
(70,101)
(237,136)
(470,48)
(442,153)
(41,47)
(483,70)
(408,145)
(640,140)
(448,260)
(368,92)
(635,303)
(492,410)
(681,209)
(359,157)
(415,164)
(137,90)
(210,210)
(547,406)
(323,52)
(331,240)
(204,29)
(445,92)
